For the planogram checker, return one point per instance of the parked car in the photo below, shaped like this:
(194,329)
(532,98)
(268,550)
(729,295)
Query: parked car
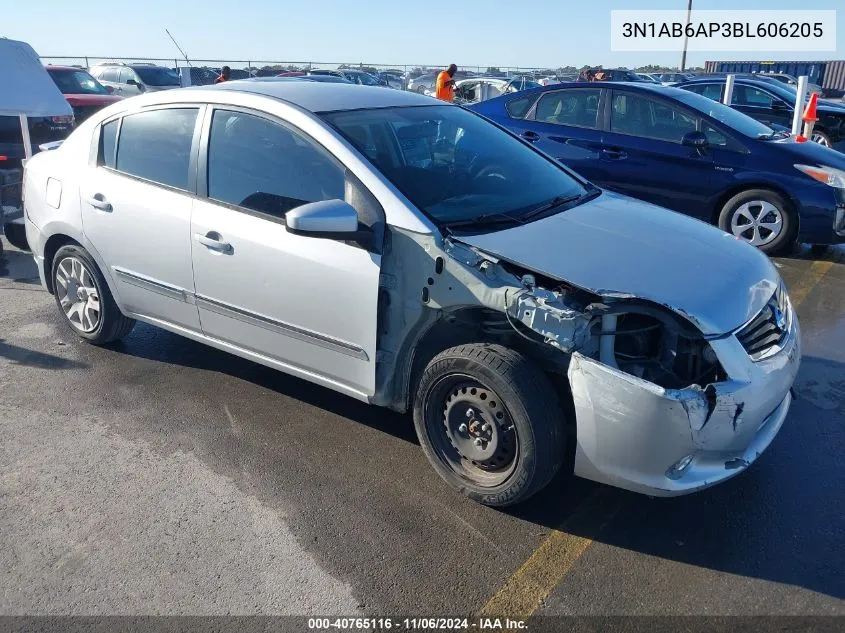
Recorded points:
(772,102)
(128,80)
(424,84)
(649,78)
(27,90)
(688,153)
(619,74)
(480,88)
(293,73)
(355,76)
(516,308)
(669,79)
(200,75)
(85,94)
(315,78)
(789,80)
(391,79)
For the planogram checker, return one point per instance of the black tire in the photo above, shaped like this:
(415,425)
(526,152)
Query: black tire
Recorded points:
(527,405)
(16,235)
(789,226)
(112,324)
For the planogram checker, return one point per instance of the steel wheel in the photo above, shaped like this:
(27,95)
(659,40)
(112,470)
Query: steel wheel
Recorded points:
(821,139)
(471,431)
(77,294)
(758,222)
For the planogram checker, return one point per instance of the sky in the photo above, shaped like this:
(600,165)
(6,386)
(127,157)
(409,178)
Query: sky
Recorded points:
(527,33)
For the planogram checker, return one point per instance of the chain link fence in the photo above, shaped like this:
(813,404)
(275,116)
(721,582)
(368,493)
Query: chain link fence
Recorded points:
(244,68)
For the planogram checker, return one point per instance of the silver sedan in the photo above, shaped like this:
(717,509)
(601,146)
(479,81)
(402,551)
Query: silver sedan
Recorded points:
(412,255)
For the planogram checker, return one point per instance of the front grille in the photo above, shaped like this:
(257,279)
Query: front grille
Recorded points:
(765,333)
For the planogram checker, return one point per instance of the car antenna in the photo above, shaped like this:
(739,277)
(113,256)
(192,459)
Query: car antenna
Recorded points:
(184,54)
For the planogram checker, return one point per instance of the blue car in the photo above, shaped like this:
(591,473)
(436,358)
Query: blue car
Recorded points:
(688,153)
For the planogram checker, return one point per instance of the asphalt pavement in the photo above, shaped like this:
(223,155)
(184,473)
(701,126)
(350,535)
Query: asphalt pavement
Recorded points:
(160,476)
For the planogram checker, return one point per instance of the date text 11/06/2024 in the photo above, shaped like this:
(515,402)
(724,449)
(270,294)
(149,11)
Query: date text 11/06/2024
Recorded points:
(416,624)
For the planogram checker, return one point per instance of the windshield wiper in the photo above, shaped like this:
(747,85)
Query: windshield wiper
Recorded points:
(484,219)
(559,201)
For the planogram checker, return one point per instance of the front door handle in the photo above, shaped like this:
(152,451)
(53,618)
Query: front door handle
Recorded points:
(214,241)
(530,136)
(613,153)
(98,201)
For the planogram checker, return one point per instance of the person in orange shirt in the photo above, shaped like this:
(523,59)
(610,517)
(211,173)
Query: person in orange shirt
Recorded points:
(225,73)
(445,86)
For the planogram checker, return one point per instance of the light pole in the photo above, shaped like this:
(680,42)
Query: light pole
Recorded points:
(684,54)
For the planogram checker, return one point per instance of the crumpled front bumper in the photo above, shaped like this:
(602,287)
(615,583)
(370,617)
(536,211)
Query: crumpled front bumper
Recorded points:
(635,435)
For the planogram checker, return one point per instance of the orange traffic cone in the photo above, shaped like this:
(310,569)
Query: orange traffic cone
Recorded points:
(810,117)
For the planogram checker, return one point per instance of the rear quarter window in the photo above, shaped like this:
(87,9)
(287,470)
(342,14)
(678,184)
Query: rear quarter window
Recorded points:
(518,108)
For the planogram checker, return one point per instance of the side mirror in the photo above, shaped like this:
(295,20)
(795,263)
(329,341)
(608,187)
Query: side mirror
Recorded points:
(131,82)
(327,218)
(695,139)
(110,89)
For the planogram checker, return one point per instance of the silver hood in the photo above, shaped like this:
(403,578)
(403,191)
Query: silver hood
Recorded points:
(618,246)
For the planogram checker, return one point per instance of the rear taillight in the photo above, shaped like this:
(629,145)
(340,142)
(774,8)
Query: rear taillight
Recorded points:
(62,120)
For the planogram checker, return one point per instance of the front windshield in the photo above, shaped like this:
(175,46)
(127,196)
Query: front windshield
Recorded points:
(734,119)
(77,82)
(453,165)
(157,76)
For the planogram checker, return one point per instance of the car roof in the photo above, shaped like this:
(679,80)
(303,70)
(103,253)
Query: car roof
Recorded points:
(56,67)
(626,85)
(317,96)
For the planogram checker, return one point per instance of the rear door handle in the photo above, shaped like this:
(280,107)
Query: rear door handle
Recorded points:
(213,241)
(98,201)
(530,136)
(613,153)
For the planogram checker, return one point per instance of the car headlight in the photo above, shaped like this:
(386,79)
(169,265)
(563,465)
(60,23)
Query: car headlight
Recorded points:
(827,175)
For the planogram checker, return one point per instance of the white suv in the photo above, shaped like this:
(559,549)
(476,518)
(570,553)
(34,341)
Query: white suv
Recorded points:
(133,79)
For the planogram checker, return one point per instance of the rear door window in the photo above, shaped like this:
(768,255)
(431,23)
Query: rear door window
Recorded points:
(110,74)
(579,107)
(156,146)
(749,96)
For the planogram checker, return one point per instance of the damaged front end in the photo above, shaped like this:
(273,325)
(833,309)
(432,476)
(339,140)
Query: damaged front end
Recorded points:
(660,408)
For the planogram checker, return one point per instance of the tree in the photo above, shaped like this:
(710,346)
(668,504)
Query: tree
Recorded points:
(492,70)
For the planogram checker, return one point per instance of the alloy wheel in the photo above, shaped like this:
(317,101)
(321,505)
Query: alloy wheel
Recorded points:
(77,294)
(821,139)
(757,222)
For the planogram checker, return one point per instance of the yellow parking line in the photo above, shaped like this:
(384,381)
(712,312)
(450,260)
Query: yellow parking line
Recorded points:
(801,288)
(526,589)
(524,592)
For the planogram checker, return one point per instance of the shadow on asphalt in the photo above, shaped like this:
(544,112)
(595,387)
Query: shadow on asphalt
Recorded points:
(835,253)
(159,345)
(23,356)
(781,520)
(18,266)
